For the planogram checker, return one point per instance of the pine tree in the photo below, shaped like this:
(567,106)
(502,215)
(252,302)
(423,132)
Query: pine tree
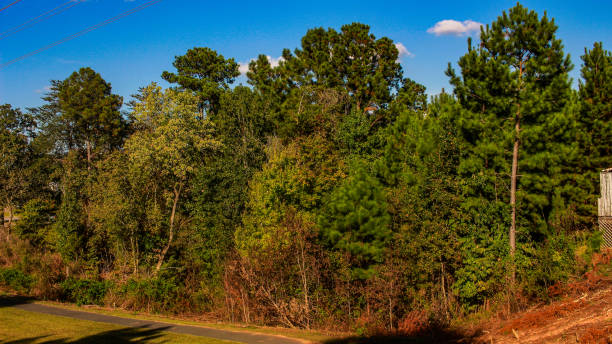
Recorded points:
(351,59)
(206,73)
(356,221)
(594,128)
(91,111)
(512,92)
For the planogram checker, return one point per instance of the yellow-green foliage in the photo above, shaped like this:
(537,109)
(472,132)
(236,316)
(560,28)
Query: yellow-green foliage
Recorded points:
(295,177)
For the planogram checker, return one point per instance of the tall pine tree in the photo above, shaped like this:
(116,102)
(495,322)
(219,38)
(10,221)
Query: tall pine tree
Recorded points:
(512,92)
(594,128)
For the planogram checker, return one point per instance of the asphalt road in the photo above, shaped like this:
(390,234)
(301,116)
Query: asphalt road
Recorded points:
(236,336)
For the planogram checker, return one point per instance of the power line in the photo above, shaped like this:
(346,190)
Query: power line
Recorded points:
(42,17)
(82,32)
(9,5)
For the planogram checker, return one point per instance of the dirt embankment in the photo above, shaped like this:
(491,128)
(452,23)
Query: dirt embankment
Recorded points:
(585,319)
(582,315)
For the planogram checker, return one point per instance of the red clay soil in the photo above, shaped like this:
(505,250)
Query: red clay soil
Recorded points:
(583,316)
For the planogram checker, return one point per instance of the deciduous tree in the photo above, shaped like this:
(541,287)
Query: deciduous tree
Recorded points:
(169,144)
(15,158)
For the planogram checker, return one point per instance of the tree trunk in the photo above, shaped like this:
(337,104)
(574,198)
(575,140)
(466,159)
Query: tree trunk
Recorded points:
(514,176)
(303,272)
(10,223)
(134,253)
(88,154)
(445,300)
(515,153)
(390,314)
(163,253)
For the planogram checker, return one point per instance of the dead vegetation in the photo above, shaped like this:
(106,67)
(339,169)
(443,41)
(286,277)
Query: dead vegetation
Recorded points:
(583,313)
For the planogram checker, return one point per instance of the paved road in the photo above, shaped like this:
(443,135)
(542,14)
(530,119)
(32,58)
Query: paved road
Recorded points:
(236,336)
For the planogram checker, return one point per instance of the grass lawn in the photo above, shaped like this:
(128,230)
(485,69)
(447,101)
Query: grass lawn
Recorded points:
(306,335)
(19,326)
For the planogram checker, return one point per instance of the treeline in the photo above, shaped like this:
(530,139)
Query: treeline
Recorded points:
(331,193)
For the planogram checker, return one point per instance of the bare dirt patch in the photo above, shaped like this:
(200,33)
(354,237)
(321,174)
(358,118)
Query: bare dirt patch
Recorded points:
(582,315)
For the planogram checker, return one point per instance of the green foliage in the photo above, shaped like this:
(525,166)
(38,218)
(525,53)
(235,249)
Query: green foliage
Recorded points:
(594,128)
(16,280)
(411,96)
(484,265)
(544,265)
(171,139)
(517,70)
(34,221)
(330,193)
(126,223)
(268,82)
(352,59)
(84,291)
(155,294)
(79,125)
(69,235)
(418,170)
(166,150)
(220,200)
(356,221)
(204,72)
(297,177)
(16,156)
(596,103)
(354,133)
(90,111)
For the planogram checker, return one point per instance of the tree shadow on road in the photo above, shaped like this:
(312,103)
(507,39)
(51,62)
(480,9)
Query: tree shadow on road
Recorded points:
(439,335)
(13,300)
(126,335)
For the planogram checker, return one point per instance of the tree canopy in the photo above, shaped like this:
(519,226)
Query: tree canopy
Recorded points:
(205,72)
(331,192)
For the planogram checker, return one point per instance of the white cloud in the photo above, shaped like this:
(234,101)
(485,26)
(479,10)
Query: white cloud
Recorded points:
(44,89)
(274,61)
(243,67)
(453,27)
(402,51)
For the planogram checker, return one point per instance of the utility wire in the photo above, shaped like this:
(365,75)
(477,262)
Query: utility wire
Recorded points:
(9,5)
(82,32)
(42,17)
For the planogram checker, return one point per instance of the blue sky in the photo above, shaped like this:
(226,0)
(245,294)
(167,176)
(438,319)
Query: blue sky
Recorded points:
(134,51)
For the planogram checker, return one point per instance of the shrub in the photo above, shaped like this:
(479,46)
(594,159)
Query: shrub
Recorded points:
(84,291)
(35,219)
(154,295)
(16,280)
(545,264)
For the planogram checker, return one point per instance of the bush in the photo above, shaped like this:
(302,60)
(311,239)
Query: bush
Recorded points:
(154,295)
(546,264)
(84,291)
(16,280)
(35,219)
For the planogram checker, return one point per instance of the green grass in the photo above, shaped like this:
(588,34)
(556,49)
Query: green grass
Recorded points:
(19,326)
(305,335)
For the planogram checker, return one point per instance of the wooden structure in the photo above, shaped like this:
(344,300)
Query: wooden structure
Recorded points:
(604,206)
